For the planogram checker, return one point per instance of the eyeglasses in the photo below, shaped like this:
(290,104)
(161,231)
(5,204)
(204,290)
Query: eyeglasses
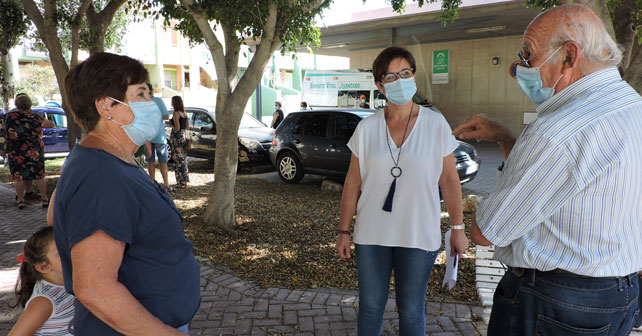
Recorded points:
(392,76)
(523,61)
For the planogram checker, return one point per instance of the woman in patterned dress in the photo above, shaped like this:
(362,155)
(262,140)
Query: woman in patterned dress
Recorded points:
(25,149)
(180,123)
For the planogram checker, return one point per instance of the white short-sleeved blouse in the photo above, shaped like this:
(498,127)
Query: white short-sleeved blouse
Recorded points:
(415,218)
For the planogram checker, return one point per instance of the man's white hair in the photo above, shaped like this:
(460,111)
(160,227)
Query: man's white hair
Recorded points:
(598,48)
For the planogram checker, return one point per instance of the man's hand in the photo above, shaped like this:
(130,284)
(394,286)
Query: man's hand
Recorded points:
(343,246)
(480,127)
(458,242)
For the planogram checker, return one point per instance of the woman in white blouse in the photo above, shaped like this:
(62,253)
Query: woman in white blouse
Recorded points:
(401,157)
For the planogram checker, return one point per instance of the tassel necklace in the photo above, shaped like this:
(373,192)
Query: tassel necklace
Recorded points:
(395,171)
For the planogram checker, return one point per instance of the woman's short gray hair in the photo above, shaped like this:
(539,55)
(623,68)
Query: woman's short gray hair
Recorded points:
(598,48)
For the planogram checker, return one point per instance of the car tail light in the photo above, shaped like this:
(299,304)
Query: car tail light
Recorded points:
(273,142)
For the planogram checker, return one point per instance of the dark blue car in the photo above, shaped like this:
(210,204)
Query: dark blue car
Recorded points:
(55,138)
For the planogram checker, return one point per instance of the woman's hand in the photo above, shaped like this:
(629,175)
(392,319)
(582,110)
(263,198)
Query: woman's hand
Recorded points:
(343,246)
(458,242)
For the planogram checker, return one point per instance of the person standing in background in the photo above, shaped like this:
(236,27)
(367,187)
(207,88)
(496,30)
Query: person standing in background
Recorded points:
(278,115)
(25,149)
(178,141)
(159,144)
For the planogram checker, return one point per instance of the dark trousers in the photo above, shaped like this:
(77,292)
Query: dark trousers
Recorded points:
(529,302)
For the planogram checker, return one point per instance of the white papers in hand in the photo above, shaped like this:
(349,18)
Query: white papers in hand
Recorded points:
(450,277)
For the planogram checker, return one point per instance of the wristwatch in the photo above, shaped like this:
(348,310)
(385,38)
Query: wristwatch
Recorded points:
(457,227)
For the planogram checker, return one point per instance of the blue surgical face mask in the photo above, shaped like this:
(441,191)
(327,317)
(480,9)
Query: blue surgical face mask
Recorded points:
(530,80)
(147,121)
(400,92)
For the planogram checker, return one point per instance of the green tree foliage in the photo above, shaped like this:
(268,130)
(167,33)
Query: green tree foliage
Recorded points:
(449,8)
(39,82)
(13,24)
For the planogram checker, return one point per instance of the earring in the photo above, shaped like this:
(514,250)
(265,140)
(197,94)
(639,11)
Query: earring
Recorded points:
(108,117)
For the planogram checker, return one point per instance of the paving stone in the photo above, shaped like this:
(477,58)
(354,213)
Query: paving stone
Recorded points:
(253,315)
(282,294)
(349,314)
(237,309)
(321,326)
(229,320)
(290,317)
(243,327)
(234,296)
(448,309)
(275,311)
(320,298)
(446,323)
(307,297)
(327,318)
(433,328)
(462,311)
(267,322)
(466,328)
(312,312)
(296,306)
(306,323)
(261,304)
(333,300)
(294,296)
(258,331)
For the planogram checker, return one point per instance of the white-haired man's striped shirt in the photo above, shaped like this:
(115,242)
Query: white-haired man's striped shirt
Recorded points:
(570,193)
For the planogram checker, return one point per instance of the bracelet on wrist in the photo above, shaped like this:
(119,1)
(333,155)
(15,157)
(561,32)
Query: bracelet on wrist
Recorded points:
(343,232)
(457,227)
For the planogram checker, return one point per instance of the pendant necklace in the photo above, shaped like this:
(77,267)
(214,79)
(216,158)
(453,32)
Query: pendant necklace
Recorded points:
(395,171)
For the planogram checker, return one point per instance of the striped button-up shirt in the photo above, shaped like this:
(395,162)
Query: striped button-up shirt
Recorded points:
(570,193)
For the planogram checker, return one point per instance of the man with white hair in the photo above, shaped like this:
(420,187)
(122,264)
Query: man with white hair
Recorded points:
(566,214)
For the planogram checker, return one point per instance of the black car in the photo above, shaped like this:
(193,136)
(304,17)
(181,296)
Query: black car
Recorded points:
(255,138)
(316,142)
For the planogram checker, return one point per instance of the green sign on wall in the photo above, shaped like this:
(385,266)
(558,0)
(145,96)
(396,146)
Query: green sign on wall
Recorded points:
(440,62)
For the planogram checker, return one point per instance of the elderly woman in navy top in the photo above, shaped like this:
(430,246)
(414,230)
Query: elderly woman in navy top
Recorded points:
(401,156)
(119,235)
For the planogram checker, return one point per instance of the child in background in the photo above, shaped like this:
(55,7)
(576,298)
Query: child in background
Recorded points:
(49,310)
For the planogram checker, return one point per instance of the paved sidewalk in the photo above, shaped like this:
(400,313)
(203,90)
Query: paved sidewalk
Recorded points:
(234,306)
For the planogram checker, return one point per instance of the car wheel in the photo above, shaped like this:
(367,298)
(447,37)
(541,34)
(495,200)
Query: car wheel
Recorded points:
(289,168)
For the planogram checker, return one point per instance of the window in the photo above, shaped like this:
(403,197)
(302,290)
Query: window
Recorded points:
(59,120)
(203,121)
(312,124)
(344,126)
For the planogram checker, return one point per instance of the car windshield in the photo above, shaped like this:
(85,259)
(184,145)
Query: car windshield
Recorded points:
(249,121)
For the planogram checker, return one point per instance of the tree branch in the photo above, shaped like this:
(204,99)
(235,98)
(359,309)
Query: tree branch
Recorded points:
(263,52)
(232,47)
(107,14)
(34,14)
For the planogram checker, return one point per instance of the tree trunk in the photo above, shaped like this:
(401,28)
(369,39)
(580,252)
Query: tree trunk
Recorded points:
(220,208)
(229,111)
(6,87)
